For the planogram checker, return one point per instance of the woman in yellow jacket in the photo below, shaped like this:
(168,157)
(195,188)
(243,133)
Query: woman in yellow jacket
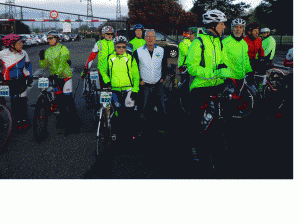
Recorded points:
(120,72)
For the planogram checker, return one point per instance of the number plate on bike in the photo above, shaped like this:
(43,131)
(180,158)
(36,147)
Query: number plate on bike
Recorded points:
(105,97)
(4,90)
(43,83)
(94,75)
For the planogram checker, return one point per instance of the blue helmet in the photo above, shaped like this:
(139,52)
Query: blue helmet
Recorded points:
(138,26)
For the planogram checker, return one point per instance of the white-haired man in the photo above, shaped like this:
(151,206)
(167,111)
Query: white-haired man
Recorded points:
(152,62)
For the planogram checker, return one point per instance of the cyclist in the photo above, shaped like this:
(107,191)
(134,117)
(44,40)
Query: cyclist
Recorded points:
(17,68)
(206,66)
(57,57)
(268,44)
(255,52)
(103,48)
(184,47)
(236,50)
(138,41)
(119,71)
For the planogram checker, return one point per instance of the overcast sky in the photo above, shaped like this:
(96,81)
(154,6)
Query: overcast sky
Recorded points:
(101,8)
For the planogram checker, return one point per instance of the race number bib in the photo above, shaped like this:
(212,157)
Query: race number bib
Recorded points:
(105,97)
(94,75)
(43,83)
(4,91)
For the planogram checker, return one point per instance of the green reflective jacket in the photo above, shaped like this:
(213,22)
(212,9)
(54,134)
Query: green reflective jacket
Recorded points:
(117,69)
(56,57)
(106,47)
(137,43)
(237,55)
(269,46)
(183,50)
(213,56)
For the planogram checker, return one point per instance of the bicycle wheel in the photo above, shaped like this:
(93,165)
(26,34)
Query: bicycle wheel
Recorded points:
(244,103)
(104,131)
(95,99)
(40,118)
(5,124)
(274,91)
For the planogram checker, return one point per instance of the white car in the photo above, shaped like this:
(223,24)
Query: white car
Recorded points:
(26,40)
(43,38)
(35,39)
(67,37)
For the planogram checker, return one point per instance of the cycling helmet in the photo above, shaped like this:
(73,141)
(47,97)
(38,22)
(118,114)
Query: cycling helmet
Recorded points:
(138,26)
(252,26)
(10,39)
(192,30)
(214,16)
(107,29)
(265,30)
(238,22)
(53,33)
(119,40)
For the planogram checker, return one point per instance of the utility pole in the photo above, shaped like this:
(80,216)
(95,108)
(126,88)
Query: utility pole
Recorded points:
(118,14)
(90,12)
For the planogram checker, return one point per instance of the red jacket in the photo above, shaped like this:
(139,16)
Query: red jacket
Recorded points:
(254,47)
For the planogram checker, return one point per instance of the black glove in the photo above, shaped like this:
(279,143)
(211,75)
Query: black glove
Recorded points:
(42,54)
(134,96)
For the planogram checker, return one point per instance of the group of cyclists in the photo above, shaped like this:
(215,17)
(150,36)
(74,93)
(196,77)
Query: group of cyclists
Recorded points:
(207,58)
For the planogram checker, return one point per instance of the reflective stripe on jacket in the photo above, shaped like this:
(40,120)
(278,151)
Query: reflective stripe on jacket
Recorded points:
(122,71)
(56,57)
(237,55)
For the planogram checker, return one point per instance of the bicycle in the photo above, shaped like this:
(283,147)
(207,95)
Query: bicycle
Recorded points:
(270,90)
(44,107)
(106,112)
(5,116)
(90,92)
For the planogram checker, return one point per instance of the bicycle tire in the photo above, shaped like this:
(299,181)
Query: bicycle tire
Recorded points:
(104,131)
(6,123)
(95,104)
(274,91)
(248,104)
(41,114)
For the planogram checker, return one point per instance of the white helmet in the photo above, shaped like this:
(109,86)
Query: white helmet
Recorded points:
(265,30)
(119,40)
(107,29)
(214,16)
(238,21)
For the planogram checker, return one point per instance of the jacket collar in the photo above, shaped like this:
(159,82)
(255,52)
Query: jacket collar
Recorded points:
(145,46)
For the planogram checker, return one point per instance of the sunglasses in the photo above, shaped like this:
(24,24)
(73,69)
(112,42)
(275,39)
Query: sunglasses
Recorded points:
(109,34)
(123,47)
(50,38)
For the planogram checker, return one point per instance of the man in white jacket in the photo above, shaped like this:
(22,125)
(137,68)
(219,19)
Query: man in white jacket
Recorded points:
(152,62)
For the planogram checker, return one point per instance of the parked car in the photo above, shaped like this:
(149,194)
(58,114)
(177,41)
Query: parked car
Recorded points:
(36,38)
(33,41)
(74,37)
(66,37)
(43,38)
(26,41)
